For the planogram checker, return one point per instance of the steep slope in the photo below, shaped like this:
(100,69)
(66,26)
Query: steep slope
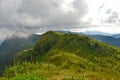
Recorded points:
(42,46)
(107,39)
(13,44)
(57,55)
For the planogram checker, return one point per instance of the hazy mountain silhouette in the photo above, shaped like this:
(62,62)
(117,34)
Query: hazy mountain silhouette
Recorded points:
(14,43)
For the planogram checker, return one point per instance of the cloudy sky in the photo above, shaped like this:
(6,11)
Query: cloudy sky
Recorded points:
(37,16)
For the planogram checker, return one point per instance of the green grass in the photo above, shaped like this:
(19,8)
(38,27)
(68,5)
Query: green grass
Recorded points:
(38,71)
(45,71)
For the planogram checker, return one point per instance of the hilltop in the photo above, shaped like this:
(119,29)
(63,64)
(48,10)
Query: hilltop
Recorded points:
(66,57)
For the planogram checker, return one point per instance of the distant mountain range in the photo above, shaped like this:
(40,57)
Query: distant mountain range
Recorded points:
(101,33)
(97,33)
(13,44)
(112,39)
(116,35)
(107,39)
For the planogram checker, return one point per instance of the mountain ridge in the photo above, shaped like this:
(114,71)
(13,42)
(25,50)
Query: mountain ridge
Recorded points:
(66,57)
(74,52)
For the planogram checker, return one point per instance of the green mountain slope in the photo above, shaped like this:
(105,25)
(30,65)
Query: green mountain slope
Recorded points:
(61,56)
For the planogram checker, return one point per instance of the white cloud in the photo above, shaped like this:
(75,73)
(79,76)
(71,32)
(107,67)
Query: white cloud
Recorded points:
(103,11)
(41,12)
(42,15)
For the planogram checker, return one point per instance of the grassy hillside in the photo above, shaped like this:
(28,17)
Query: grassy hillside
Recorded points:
(58,56)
